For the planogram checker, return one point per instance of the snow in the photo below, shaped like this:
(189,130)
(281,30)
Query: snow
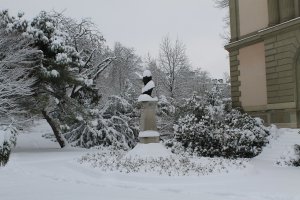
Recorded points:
(2,137)
(62,58)
(283,140)
(79,118)
(149,134)
(39,169)
(49,25)
(88,82)
(147,73)
(146,97)
(150,85)
(94,123)
(151,150)
(287,156)
(54,73)
(56,101)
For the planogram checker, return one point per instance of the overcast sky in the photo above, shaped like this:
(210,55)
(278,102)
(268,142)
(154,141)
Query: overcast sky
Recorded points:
(141,24)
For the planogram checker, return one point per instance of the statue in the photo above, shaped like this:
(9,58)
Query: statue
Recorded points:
(148,129)
(149,84)
(148,88)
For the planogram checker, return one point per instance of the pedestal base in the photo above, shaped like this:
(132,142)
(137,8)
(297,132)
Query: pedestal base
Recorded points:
(148,126)
(149,136)
(148,140)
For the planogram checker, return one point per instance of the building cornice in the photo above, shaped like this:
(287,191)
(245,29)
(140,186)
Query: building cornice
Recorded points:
(260,35)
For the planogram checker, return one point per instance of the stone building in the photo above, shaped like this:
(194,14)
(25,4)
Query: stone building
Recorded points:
(264,59)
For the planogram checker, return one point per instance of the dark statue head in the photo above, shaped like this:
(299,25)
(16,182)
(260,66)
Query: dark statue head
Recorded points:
(146,79)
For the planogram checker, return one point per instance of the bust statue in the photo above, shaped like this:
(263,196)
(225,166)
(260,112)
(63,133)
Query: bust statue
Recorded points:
(148,83)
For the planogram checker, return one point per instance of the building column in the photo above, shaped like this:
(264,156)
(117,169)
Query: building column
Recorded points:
(234,20)
(273,9)
(287,10)
(297,8)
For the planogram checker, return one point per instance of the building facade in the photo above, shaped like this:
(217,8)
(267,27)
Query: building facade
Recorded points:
(264,59)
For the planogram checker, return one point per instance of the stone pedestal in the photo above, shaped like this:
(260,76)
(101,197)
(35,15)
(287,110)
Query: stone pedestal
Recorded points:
(148,140)
(148,127)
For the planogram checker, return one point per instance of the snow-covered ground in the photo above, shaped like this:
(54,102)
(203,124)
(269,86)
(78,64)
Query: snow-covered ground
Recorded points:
(40,170)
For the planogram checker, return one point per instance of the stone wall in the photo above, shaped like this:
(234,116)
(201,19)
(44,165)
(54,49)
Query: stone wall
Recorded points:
(280,53)
(234,75)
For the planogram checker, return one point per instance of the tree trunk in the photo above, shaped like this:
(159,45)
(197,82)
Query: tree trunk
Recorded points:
(55,129)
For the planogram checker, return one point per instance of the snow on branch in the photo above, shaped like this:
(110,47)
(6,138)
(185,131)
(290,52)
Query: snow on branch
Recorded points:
(17,60)
(94,73)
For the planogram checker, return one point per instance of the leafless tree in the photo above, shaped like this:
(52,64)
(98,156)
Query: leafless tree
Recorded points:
(224,4)
(123,72)
(173,62)
(221,3)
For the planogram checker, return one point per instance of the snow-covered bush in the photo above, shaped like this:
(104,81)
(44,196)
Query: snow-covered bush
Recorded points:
(114,124)
(7,142)
(207,126)
(296,161)
(291,158)
(114,160)
(165,116)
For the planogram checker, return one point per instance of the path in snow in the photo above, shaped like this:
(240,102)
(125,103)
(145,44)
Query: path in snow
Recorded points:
(283,141)
(40,170)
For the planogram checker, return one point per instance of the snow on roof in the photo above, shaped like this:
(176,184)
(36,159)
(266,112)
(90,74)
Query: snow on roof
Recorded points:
(147,73)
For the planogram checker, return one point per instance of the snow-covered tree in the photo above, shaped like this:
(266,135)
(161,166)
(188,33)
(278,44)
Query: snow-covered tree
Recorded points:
(65,78)
(165,116)
(175,80)
(122,74)
(17,60)
(173,62)
(114,123)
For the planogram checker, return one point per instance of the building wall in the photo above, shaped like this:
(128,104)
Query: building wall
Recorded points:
(253,76)
(281,51)
(253,15)
(264,59)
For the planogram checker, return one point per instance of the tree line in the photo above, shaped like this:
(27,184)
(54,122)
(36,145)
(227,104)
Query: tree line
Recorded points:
(59,68)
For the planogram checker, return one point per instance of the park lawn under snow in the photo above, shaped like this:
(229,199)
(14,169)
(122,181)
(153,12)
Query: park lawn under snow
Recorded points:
(40,170)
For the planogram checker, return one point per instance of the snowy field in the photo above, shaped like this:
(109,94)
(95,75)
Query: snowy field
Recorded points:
(40,170)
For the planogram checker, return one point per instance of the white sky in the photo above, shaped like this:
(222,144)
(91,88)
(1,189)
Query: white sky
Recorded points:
(141,24)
